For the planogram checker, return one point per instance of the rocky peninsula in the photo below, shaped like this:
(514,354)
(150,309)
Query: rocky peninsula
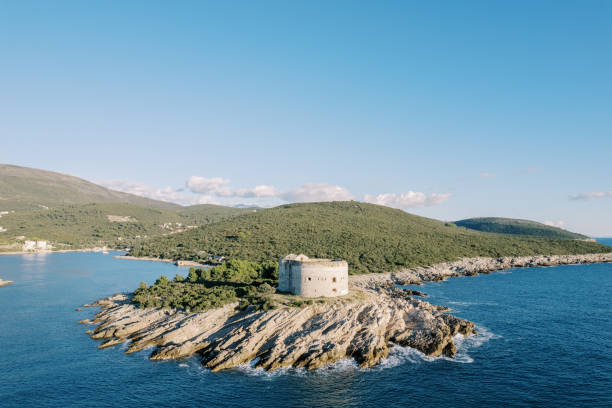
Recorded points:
(364,325)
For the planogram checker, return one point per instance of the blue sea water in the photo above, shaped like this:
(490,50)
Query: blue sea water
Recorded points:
(545,340)
(605,241)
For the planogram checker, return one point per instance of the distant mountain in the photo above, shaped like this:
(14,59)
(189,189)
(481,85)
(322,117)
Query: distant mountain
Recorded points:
(248,206)
(370,237)
(517,227)
(23,188)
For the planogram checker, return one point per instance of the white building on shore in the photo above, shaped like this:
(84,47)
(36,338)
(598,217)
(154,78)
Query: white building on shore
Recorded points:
(36,246)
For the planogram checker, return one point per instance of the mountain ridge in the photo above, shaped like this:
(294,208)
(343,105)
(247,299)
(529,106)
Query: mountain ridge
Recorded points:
(25,188)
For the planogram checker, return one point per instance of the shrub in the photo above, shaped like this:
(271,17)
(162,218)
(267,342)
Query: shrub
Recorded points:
(204,289)
(265,289)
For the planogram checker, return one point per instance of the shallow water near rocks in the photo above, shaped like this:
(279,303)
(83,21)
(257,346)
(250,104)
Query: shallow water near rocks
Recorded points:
(544,340)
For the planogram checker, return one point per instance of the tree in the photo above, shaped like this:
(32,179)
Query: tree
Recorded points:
(162,281)
(193,275)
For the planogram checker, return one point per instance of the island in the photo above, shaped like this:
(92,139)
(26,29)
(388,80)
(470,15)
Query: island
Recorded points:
(243,320)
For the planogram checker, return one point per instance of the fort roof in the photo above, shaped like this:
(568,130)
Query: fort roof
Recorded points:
(304,259)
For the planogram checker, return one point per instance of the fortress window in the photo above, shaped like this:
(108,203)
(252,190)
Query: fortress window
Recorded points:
(334,280)
(309,278)
(334,290)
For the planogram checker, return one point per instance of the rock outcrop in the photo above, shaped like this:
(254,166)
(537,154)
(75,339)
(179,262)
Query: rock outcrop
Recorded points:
(363,326)
(310,336)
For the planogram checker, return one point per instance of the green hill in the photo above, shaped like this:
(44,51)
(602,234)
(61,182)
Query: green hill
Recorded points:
(211,213)
(23,188)
(371,238)
(74,213)
(116,225)
(517,227)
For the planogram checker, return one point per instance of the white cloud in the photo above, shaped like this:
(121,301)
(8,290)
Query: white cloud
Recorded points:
(410,199)
(258,191)
(486,175)
(558,224)
(203,185)
(202,190)
(143,190)
(312,192)
(591,195)
(309,192)
(207,200)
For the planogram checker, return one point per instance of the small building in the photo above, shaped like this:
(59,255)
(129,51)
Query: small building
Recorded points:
(310,277)
(36,246)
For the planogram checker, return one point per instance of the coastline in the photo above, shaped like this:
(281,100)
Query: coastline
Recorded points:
(363,327)
(51,252)
(474,266)
(165,260)
(128,257)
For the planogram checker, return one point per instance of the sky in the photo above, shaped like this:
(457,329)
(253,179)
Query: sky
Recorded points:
(445,109)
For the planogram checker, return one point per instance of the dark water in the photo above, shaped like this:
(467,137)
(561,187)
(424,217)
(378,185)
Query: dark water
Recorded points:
(546,341)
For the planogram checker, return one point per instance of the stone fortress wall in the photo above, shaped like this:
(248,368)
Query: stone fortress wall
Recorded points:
(311,277)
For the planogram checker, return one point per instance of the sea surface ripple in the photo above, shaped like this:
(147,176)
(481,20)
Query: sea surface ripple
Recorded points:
(544,340)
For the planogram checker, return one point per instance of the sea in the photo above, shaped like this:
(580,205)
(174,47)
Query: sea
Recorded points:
(544,340)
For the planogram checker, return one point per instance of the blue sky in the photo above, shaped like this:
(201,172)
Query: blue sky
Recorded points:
(446,109)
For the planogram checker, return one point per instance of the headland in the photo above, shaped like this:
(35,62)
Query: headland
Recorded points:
(364,325)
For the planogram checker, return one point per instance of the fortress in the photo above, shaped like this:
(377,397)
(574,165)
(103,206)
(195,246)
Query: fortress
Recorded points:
(308,277)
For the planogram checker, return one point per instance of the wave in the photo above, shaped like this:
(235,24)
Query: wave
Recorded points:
(465,344)
(344,365)
(124,346)
(457,303)
(398,355)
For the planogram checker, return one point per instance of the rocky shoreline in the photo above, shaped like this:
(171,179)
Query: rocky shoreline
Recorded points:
(364,326)
(472,267)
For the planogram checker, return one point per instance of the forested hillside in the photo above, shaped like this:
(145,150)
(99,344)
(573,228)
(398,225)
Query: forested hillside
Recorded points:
(371,238)
(116,225)
(517,227)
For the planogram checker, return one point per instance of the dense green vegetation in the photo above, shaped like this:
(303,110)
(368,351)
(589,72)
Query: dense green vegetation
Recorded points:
(371,238)
(23,188)
(72,213)
(75,226)
(517,227)
(250,283)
